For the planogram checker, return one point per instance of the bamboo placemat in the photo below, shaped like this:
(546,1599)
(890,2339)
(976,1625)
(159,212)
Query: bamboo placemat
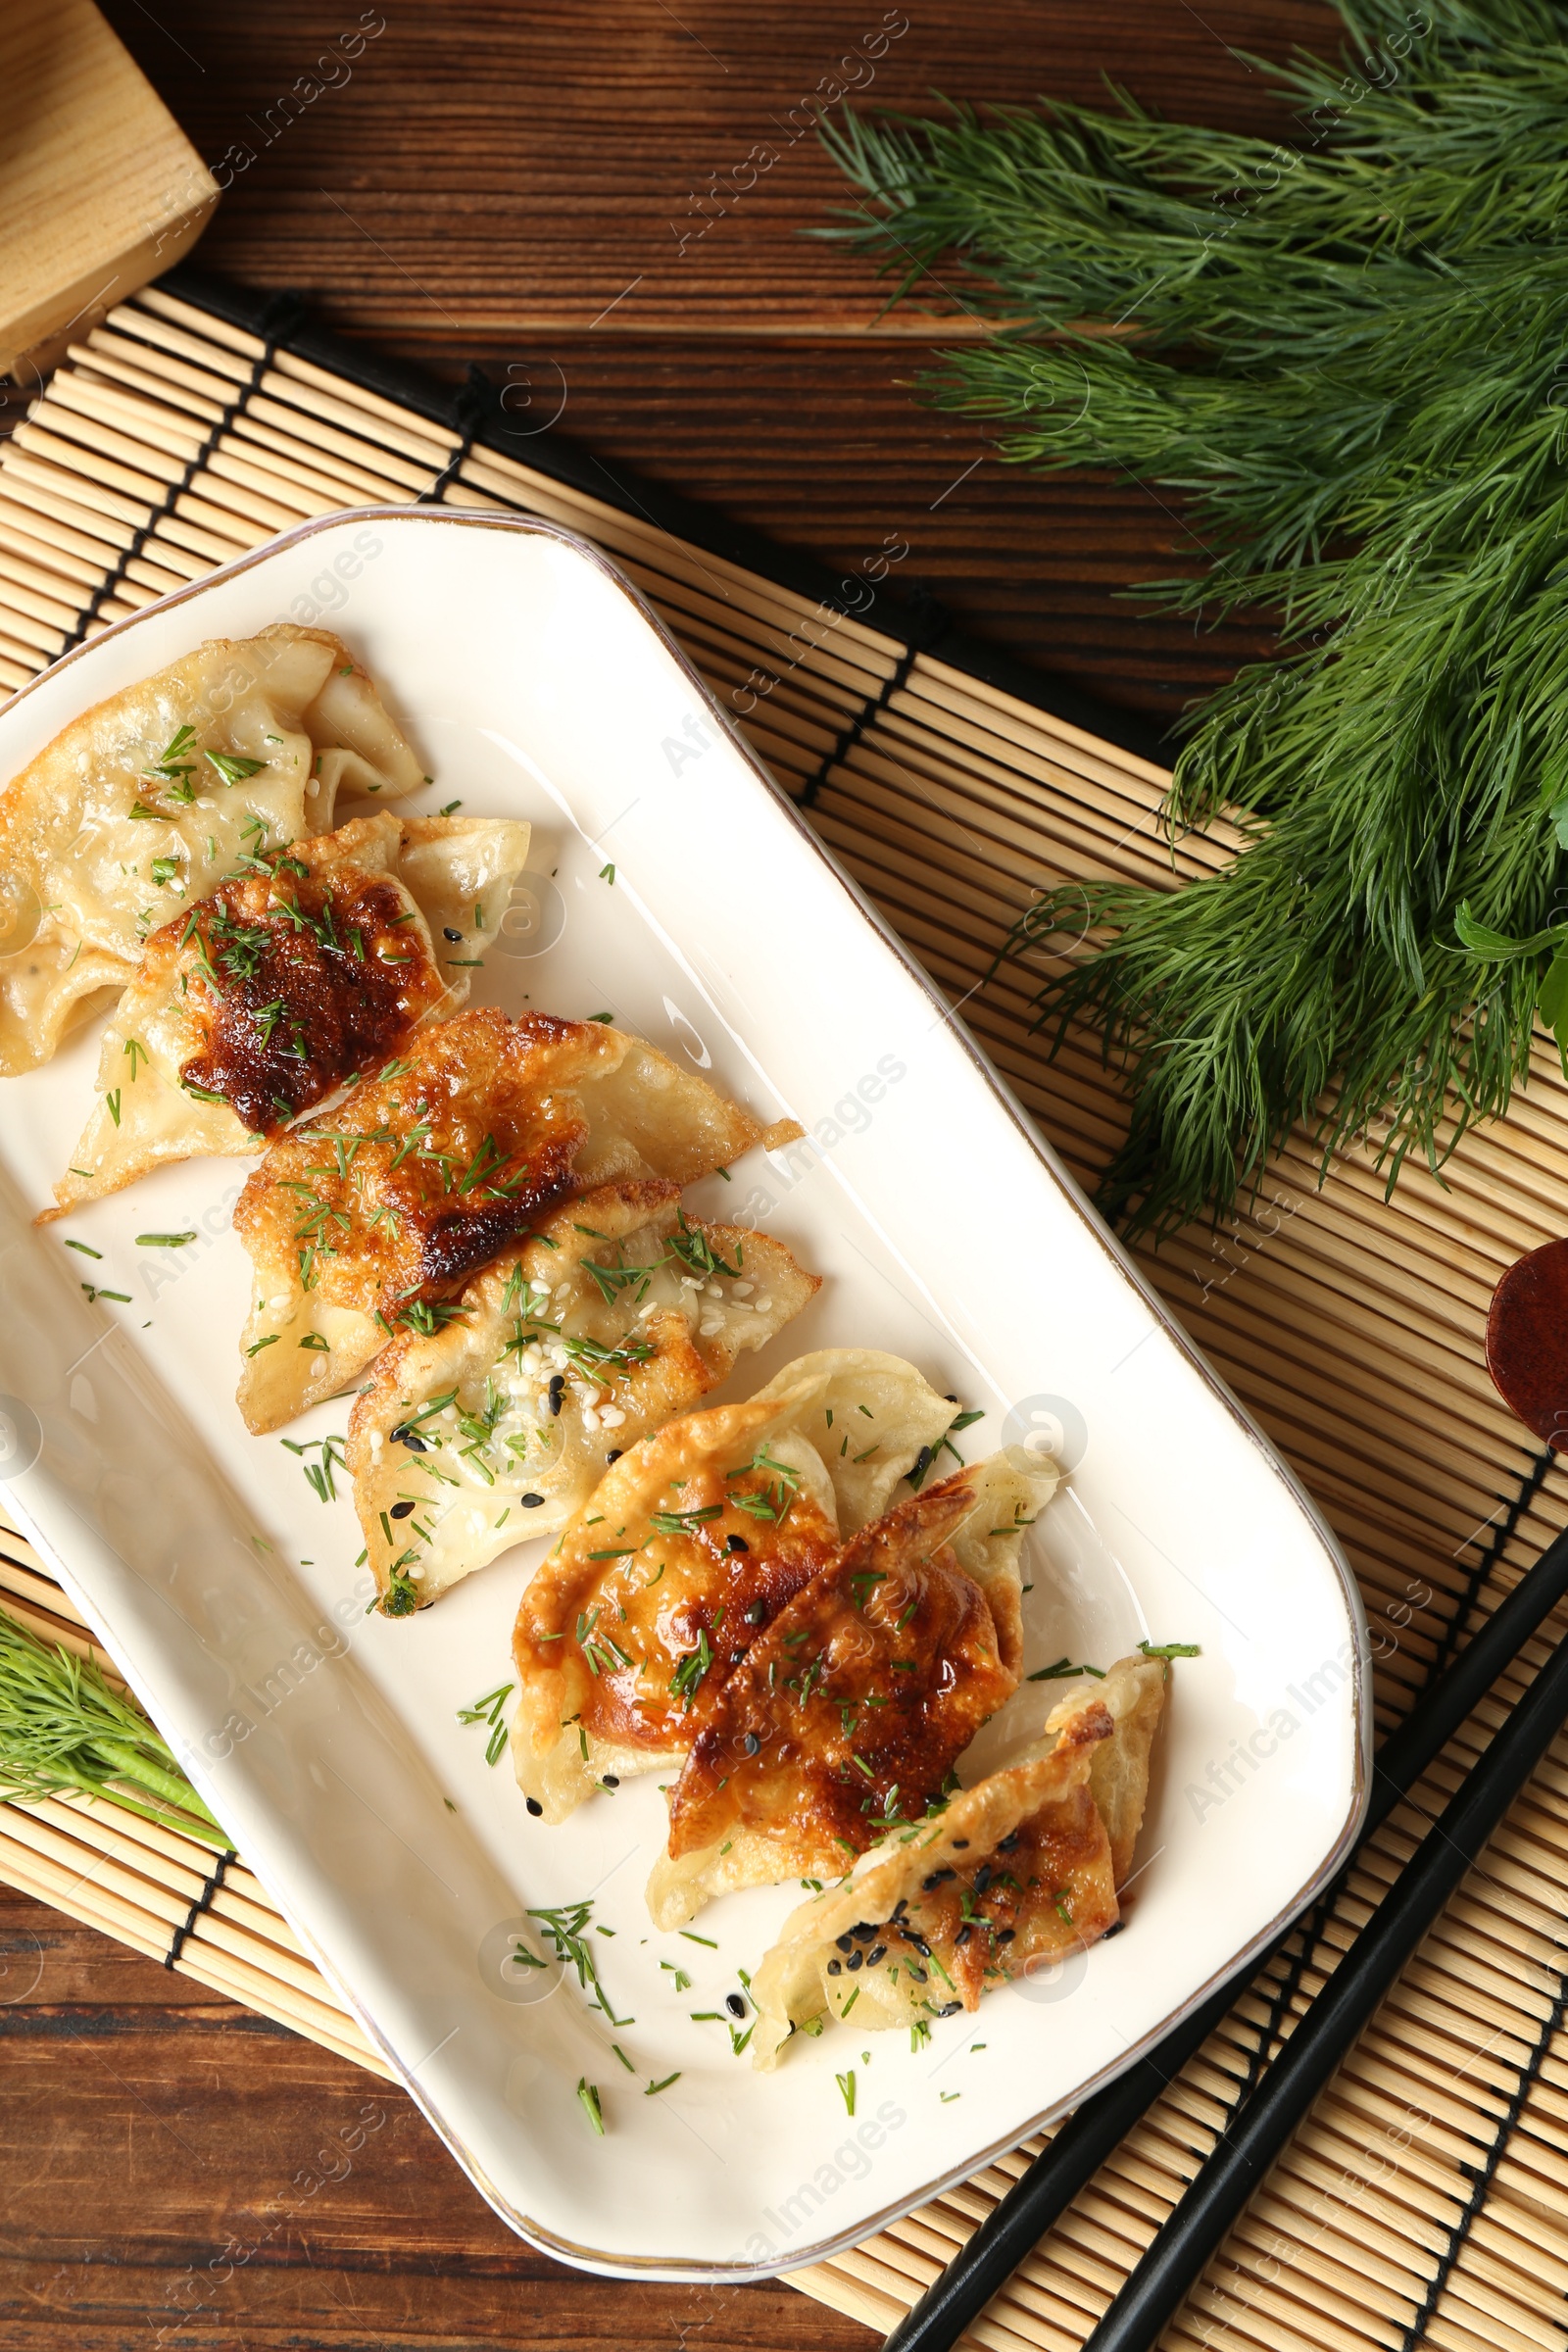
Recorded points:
(1424,2199)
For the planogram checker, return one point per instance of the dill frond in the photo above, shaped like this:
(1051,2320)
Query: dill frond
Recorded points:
(65,1731)
(1350,355)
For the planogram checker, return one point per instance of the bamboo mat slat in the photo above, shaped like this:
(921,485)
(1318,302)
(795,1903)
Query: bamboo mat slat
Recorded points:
(1422,2201)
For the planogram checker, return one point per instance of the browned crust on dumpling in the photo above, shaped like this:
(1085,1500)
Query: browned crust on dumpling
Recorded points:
(692,1546)
(849,1712)
(428,1172)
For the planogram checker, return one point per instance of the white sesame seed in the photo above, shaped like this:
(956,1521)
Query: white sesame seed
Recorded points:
(763,1305)
(744,1290)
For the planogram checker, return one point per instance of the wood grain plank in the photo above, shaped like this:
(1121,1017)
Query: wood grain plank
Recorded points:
(486,179)
(175,2170)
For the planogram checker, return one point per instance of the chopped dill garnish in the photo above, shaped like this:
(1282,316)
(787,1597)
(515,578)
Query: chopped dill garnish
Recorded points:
(564,1925)
(588,2100)
(488,1710)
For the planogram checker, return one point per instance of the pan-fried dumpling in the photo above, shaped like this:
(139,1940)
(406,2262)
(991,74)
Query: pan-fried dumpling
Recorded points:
(294,976)
(690,1544)
(371,1220)
(1017,1873)
(137,807)
(689,1547)
(847,1714)
(617,1314)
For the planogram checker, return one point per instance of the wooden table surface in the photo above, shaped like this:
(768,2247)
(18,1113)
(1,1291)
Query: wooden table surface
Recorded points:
(510,181)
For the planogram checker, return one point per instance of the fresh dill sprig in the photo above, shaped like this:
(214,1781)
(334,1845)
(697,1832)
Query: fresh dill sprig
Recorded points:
(65,1731)
(1346,353)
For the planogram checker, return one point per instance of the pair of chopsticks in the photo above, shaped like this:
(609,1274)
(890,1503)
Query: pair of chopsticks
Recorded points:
(1258,2131)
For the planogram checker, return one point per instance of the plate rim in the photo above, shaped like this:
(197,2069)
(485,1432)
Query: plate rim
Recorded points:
(1099,1235)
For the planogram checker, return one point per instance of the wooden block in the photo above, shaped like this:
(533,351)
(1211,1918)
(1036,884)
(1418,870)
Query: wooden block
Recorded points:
(100,189)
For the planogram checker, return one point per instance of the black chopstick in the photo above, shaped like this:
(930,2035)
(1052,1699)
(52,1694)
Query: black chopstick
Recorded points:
(1257,2134)
(1015,2225)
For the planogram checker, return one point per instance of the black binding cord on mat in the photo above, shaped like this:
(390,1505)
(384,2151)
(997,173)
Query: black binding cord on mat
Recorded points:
(930,624)
(277,322)
(1481,2175)
(209,1886)
(1015,2224)
(1316,1922)
(561,459)
(471,406)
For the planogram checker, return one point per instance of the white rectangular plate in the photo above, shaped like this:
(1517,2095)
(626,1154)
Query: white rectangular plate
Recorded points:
(538,685)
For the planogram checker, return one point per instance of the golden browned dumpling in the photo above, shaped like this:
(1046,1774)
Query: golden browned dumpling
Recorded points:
(1014,1874)
(849,1712)
(307,968)
(374,1219)
(701,1534)
(136,809)
(619,1313)
(690,1544)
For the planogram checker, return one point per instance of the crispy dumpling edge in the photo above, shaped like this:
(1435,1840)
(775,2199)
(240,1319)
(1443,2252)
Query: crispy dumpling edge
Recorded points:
(382,1405)
(1124,1709)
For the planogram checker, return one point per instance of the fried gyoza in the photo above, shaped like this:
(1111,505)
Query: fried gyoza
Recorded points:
(1014,1874)
(294,976)
(137,807)
(374,1218)
(617,1314)
(690,1546)
(849,1713)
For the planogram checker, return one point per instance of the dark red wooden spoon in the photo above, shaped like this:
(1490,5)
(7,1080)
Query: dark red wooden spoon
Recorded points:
(1527,1340)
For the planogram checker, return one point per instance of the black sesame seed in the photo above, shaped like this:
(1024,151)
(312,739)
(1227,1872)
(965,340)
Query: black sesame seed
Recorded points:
(403,1435)
(447,932)
(950,2009)
(964,1932)
(855,1960)
(1115,1928)
(400,1510)
(530,1502)
(845,1943)
(755,1611)
(610,1781)
(918,1973)
(534,1806)
(982,1878)
(959,1843)
(1004,1846)
(750,1743)
(1006,1935)
(735,2003)
(737,1544)
(863,1932)
(835,1968)
(554,1392)
(614,1454)
(735,1656)
(878,1952)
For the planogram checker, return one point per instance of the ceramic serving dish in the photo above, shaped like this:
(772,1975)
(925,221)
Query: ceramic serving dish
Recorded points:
(671,885)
